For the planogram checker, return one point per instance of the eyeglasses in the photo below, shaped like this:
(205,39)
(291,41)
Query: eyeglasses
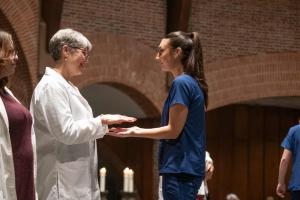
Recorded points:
(83,51)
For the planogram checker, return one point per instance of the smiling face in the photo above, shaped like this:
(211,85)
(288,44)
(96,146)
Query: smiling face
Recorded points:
(8,55)
(9,67)
(74,60)
(69,49)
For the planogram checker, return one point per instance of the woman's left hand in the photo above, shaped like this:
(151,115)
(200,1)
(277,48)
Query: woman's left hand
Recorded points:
(110,119)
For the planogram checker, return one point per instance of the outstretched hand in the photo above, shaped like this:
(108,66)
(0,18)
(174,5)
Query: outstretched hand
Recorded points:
(110,119)
(123,132)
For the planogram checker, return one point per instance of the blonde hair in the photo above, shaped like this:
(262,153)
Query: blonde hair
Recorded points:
(6,46)
(6,49)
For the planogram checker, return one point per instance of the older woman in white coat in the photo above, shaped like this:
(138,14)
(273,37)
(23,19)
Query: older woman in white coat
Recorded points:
(64,124)
(16,142)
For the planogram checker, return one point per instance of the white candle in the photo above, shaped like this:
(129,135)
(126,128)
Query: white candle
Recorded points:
(130,178)
(102,179)
(126,179)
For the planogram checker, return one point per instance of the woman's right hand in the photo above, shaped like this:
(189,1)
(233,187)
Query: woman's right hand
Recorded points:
(123,132)
(280,190)
(109,119)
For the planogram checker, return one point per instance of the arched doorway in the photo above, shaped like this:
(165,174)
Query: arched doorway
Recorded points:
(117,153)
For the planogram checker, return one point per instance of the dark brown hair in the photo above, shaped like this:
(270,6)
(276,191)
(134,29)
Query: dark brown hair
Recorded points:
(192,59)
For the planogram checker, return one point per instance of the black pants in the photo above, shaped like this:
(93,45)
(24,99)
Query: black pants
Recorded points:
(295,195)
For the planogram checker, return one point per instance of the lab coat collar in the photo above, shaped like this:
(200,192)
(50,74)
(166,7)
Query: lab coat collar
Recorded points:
(51,72)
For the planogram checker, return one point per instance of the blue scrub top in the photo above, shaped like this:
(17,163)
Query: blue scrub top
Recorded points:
(185,154)
(292,143)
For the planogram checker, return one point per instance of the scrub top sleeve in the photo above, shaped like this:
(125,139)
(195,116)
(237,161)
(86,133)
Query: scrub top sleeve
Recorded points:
(288,141)
(179,93)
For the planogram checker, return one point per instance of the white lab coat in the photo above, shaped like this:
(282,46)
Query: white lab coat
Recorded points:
(65,135)
(7,169)
(203,190)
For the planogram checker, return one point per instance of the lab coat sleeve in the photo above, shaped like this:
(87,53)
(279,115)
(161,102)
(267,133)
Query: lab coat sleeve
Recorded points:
(52,106)
(208,159)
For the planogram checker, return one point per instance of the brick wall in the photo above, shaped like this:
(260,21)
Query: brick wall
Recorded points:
(234,28)
(247,78)
(125,35)
(229,30)
(129,66)
(143,20)
(21,18)
(20,82)
(251,47)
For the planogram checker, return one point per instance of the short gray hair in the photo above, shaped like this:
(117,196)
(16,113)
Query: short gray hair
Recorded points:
(69,37)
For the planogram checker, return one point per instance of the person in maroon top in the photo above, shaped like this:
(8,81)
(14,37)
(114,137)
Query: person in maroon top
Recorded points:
(16,141)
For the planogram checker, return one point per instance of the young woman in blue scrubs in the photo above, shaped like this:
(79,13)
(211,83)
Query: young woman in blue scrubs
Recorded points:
(182,131)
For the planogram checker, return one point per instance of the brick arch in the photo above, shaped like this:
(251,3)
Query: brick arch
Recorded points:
(129,65)
(248,78)
(21,81)
(23,16)
(145,104)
